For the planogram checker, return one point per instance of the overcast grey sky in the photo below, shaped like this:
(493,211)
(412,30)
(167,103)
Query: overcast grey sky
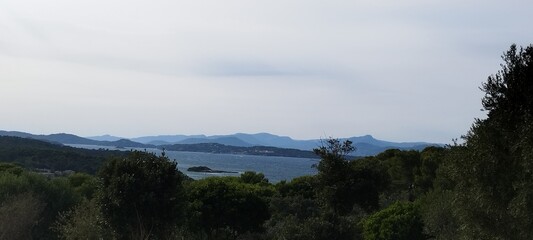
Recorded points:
(399,70)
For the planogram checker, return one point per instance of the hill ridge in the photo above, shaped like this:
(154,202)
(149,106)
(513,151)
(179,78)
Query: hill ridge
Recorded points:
(366,145)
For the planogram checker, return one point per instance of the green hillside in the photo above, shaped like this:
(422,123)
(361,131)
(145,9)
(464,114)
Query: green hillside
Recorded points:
(34,154)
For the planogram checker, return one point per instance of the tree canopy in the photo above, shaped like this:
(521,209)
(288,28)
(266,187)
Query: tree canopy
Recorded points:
(142,195)
(494,175)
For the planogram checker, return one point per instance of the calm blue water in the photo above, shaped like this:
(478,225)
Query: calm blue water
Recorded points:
(274,168)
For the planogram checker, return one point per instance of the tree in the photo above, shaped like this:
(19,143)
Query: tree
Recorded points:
(426,173)
(294,203)
(508,93)
(368,180)
(334,149)
(493,195)
(227,204)
(85,221)
(343,183)
(439,221)
(18,215)
(398,221)
(253,178)
(334,175)
(84,184)
(304,186)
(401,166)
(52,195)
(142,195)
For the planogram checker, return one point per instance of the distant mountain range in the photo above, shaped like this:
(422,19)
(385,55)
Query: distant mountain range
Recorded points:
(366,145)
(65,138)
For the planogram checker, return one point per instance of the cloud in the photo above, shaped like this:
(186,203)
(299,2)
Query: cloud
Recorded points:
(402,70)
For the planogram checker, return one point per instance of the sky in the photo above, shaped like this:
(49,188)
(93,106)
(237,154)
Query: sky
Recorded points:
(398,70)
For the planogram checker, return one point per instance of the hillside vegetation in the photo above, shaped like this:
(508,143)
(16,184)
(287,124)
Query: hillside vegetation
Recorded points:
(35,154)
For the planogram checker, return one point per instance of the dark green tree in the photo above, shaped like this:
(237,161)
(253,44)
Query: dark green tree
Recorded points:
(85,221)
(225,205)
(142,196)
(253,178)
(304,186)
(508,93)
(84,184)
(368,179)
(334,175)
(439,221)
(494,177)
(401,166)
(426,173)
(343,183)
(399,221)
(19,214)
(46,198)
(293,204)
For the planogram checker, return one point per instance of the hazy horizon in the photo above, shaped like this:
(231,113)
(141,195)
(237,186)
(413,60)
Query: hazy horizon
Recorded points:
(216,135)
(398,70)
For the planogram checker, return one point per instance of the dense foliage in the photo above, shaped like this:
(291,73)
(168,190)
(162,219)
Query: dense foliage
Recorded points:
(493,170)
(400,221)
(228,206)
(30,203)
(479,189)
(141,195)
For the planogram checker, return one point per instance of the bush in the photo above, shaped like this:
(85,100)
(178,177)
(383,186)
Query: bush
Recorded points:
(399,221)
(142,196)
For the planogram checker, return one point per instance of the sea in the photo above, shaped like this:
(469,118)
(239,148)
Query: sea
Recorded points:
(276,169)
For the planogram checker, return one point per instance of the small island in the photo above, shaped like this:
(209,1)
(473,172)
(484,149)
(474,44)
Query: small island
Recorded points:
(205,169)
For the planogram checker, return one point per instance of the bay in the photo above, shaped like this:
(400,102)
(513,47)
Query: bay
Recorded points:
(274,168)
